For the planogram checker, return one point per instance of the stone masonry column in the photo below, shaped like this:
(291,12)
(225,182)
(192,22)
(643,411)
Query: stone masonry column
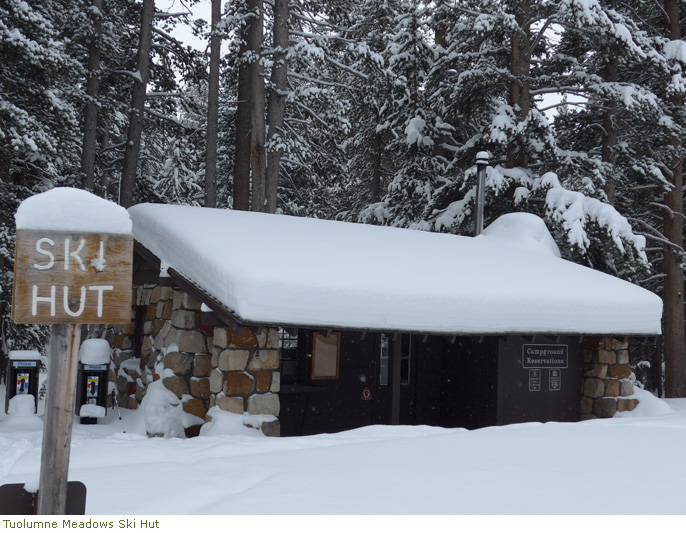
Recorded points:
(185,355)
(245,377)
(605,386)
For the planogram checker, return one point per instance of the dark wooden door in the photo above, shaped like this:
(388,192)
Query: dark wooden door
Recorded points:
(310,406)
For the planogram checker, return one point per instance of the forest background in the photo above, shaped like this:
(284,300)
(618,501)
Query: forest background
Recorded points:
(369,111)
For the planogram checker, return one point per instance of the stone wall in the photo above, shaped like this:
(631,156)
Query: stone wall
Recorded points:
(203,366)
(245,377)
(606,384)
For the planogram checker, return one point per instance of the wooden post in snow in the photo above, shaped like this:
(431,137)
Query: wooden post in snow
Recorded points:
(59,417)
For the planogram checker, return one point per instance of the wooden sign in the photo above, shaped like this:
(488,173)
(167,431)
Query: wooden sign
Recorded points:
(72,278)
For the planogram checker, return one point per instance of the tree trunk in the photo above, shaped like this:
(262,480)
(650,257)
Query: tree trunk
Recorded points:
(241,168)
(377,149)
(520,63)
(90,123)
(609,129)
(440,40)
(133,144)
(5,161)
(277,102)
(258,160)
(213,111)
(673,297)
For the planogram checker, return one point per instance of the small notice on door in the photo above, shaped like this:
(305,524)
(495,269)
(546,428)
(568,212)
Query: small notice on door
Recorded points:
(555,379)
(534,379)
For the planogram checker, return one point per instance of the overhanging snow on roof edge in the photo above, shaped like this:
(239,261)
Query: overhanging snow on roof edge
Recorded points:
(281,270)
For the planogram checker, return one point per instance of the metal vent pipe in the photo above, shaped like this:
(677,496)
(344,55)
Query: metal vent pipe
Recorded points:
(481,164)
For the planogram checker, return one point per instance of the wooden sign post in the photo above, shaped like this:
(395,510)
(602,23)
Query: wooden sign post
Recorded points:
(59,418)
(67,279)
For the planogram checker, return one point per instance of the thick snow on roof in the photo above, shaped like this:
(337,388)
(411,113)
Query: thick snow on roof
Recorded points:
(67,209)
(276,269)
(522,231)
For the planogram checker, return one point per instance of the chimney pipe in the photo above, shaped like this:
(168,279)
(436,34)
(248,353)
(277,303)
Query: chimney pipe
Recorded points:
(481,164)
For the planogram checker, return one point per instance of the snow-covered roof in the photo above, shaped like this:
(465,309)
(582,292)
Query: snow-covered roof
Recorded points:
(277,269)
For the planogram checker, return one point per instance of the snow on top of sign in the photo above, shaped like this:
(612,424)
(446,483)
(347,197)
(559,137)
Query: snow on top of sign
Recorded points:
(277,269)
(95,352)
(68,209)
(24,355)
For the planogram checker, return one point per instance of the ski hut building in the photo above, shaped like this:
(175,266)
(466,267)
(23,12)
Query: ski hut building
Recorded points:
(306,326)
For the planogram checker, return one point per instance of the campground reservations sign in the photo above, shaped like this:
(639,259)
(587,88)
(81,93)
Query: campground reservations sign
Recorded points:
(72,278)
(545,356)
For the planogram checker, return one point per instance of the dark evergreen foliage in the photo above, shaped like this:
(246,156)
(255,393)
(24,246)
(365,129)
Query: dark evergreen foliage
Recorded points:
(387,104)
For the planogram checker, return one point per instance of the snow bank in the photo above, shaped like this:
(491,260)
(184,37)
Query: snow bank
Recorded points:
(92,411)
(225,423)
(67,209)
(276,269)
(522,231)
(624,467)
(95,352)
(22,405)
(648,406)
(163,413)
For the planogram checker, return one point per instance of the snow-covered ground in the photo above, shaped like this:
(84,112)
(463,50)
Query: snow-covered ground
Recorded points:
(630,465)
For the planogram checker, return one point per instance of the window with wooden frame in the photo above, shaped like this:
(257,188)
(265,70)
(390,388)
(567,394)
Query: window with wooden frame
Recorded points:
(325,356)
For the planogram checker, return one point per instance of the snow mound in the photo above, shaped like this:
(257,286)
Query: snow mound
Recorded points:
(225,423)
(22,405)
(95,352)
(162,412)
(522,231)
(648,406)
(92,411)
(68,209)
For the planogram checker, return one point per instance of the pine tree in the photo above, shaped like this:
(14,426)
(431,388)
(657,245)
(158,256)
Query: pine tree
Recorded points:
(40,100)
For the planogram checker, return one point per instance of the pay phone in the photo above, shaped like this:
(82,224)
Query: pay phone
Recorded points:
(91,402)
(93,377)
(23,367)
